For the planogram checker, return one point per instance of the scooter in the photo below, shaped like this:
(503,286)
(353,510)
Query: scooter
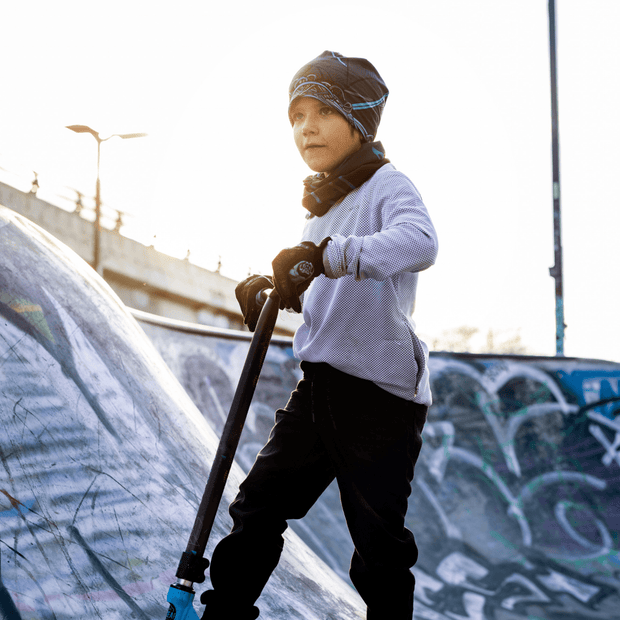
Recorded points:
(193,565)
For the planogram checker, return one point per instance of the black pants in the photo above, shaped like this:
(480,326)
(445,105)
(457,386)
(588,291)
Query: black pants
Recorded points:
(334,426)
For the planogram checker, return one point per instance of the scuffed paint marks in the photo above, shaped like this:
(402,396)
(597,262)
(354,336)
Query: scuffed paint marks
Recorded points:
(33,313)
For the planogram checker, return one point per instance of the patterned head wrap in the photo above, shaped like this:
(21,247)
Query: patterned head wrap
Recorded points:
(352,86)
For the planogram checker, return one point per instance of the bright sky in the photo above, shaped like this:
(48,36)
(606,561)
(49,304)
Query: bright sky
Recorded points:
(468,120)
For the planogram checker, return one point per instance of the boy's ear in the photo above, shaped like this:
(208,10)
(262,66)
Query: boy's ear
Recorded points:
(356,131)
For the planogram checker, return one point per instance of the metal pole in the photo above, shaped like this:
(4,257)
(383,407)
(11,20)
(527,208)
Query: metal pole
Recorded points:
(97,226)
(97,237)
(556,270)
(193,565)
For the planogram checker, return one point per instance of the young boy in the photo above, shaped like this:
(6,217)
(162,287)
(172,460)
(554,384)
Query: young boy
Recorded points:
(357,414)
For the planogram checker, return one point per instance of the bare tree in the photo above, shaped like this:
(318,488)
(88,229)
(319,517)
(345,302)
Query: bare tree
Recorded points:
(467,339)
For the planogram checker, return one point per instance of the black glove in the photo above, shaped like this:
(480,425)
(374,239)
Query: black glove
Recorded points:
(294,269)
(250,301)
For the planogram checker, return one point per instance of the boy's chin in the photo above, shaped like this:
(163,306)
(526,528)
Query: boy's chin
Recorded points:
(318,171)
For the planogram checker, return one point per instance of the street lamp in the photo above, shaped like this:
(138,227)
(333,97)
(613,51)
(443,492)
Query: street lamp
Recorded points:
(556,271)
(95,134)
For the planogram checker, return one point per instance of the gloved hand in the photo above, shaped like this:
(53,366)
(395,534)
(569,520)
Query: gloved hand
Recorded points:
(294,269)
(247,293)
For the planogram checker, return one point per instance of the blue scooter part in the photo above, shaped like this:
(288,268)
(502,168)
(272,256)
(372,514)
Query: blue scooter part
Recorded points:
(181,603)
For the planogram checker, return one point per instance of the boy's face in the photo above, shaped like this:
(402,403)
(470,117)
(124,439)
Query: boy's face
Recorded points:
(324,138)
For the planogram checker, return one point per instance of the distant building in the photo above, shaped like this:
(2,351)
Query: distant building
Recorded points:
(141,276)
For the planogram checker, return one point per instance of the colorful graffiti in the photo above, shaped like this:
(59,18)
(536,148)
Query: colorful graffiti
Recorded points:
(519,471)
(515,504)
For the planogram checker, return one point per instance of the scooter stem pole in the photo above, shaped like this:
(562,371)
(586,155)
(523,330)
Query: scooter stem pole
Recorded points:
(234,425)
(192,567)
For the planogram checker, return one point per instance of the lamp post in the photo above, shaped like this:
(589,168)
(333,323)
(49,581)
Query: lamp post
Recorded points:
(95,134)
(556,270)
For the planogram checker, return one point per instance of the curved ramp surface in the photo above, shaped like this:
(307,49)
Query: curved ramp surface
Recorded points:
(103,457)
(515,503)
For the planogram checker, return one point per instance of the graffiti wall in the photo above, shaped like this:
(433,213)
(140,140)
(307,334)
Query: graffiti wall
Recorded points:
(518,491)
(515,504)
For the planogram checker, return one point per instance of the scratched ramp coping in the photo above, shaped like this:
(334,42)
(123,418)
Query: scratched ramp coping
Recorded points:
(103,455)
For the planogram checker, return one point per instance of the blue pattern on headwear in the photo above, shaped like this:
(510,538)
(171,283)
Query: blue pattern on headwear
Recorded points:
(339,59)
(370,104)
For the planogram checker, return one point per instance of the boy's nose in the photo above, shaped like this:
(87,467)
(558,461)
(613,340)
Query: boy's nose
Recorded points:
(309,126)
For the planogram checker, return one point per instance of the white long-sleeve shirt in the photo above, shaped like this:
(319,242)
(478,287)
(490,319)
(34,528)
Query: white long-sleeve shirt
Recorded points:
(357,317)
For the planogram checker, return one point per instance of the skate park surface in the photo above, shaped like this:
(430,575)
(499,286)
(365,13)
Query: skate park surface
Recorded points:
(110,420)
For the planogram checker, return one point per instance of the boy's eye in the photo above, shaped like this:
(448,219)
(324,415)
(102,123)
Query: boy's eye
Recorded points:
(296,116)
(325,111)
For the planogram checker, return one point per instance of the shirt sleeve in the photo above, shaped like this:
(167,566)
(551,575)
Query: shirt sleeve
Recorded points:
(405,240)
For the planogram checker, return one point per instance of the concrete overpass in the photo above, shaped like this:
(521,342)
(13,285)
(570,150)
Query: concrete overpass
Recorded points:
(141,276)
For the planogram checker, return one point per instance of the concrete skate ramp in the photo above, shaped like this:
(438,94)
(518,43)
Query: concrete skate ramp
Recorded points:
(515,503)
(103,457)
